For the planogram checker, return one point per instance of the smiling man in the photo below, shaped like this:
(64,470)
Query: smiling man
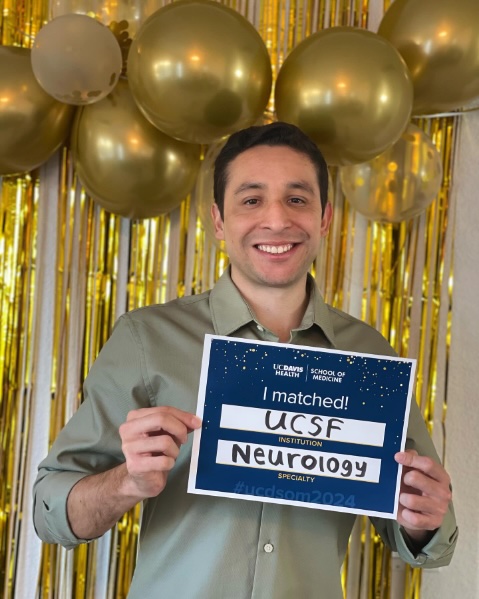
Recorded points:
(272,218)
(130,442)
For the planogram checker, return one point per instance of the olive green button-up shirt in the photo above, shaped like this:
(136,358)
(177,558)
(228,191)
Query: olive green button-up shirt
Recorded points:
(196,546)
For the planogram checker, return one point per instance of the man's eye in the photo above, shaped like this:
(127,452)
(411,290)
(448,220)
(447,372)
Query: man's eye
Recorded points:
(250,201)
(296,200)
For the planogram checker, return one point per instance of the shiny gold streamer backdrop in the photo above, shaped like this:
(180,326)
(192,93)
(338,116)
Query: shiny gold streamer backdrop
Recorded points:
(105,265)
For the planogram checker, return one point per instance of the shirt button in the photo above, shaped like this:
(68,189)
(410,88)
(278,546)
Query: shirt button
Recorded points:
(260,328)
(268,548)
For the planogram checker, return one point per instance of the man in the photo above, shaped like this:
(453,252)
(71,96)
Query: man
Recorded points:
(130,442)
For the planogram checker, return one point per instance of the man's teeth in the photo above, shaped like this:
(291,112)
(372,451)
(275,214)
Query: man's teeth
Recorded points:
(275,249)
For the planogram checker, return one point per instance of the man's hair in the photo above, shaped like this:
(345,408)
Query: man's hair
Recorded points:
(275,134)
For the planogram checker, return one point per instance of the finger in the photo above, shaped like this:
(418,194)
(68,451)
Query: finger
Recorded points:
(150,426)
(163,434)
(418,521)
(191,421)
(151,446)
(411,459)
(154,423)
(423,504)
(417,481)
(411,452)
(147,464)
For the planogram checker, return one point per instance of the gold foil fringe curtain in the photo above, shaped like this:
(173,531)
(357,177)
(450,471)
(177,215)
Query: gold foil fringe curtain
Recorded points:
(406,293)
(70,268)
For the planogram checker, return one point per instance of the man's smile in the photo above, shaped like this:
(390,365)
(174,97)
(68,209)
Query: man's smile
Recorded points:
(275,249)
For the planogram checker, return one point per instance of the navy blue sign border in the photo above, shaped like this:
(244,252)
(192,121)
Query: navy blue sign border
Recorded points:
(246,373)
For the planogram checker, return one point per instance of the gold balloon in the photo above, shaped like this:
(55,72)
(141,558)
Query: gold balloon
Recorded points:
(76,59)
(126,164)
(199,71)
(398,184)
(349,90)
(439,40)
(32,124)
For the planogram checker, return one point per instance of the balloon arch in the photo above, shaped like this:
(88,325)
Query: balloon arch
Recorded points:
(197,71)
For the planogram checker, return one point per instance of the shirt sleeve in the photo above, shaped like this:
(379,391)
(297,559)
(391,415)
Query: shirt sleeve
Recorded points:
(90,441)
(438,551)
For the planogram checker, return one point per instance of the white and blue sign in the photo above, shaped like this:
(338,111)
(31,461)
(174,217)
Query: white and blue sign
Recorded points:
(302,426)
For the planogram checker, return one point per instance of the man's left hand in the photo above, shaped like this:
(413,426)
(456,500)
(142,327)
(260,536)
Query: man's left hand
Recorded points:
(424,497)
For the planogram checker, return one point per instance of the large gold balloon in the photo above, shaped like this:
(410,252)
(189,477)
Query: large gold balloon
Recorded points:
(199,71)
(76,59)
(347,88)
(398,184)
(32,124)
(439,40)
(126,164)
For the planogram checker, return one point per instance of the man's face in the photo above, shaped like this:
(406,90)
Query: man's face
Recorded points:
(272,223)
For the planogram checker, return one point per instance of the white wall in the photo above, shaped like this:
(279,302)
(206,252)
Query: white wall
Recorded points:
(460,580)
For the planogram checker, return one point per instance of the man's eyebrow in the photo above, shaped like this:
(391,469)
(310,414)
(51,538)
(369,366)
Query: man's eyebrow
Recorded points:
(249,185)
(304,185)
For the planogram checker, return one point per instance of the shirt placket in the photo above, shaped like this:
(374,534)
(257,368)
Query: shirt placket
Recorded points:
(267,568)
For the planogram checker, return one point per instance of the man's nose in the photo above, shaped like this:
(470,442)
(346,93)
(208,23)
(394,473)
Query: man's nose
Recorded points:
(276,216)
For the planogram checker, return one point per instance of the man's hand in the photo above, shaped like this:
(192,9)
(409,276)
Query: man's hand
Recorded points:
(424,496)
(151,441)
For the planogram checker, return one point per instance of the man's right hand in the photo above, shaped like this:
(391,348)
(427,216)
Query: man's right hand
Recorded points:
(151,441)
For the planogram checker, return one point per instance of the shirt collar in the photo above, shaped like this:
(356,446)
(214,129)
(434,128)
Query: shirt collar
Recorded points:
(318,312)
(230,311)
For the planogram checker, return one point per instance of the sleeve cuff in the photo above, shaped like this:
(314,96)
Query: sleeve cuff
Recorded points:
(437,552)
(51,520)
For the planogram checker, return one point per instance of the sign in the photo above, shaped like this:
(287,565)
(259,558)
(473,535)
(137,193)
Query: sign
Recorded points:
(301,426)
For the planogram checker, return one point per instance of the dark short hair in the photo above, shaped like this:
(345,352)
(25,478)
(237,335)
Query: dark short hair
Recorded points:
(274,134)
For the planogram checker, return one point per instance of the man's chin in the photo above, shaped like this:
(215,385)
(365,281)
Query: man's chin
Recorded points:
(280,281)
(272,278)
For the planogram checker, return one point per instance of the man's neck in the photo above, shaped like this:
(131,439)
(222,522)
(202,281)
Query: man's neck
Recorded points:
(279,309)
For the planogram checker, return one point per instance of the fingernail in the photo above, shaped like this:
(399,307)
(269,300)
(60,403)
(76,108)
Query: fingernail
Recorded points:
(196,421)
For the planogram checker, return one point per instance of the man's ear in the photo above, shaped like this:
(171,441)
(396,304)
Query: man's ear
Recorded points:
(217,222)
(326,219)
